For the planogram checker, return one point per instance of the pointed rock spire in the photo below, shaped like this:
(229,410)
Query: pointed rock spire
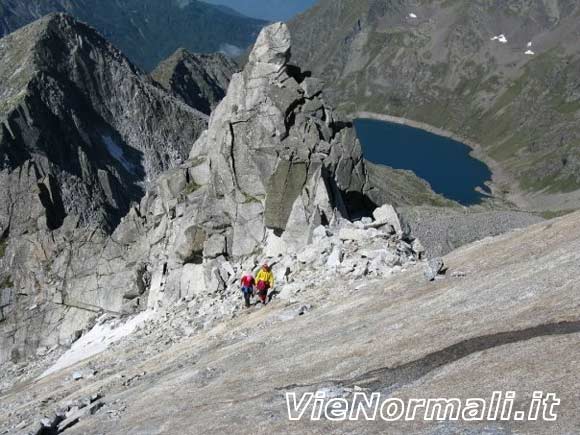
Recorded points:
(272,46)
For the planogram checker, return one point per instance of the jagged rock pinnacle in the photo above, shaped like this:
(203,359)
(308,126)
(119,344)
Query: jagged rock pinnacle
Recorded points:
(272,46)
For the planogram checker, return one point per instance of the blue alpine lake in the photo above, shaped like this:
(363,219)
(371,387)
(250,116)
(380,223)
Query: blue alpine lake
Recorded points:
(443,162)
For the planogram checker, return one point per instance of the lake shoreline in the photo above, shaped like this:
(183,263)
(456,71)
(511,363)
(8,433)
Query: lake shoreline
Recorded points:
(502,185)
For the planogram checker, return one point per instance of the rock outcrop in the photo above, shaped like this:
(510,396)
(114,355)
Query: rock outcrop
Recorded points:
(199,80)
(275,164)
(281,160)
(82,134)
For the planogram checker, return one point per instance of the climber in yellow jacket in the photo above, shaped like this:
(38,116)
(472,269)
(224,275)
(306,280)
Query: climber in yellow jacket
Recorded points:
(265,281)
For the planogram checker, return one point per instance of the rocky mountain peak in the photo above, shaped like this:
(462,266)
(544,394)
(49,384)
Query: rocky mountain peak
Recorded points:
(139,27)
(199,80)
(61,32)
(55,42)
(78,118)
(272,45)
(281,160)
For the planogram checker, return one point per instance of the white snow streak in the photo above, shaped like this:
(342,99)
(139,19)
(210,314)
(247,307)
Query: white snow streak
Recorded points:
(116,152)
(97,340)
(500,38)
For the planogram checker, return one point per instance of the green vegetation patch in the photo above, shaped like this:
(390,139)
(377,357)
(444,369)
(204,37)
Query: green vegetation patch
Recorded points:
(568,108)
(511,93)
(190,188)
(552,214)
(3,246)
(6,282)
(556,183)
(251,199)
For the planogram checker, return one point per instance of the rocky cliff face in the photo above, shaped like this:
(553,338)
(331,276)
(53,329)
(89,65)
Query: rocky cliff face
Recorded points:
(82,130)
(141,29)
(502,74)
(199,80)
(82,135)
(281,159)
(275,168)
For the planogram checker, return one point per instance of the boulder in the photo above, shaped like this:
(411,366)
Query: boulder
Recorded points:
(418,248)
(312,87)
(227,272)
(138,282)
(192,281)
(354,234)
(289,291)
(215,246)
(275,246)
(312,254)
(361,268)
(335,258)
(170,185)
(433,268)
(199,171)
(190,243)
(320,233)
(388,215)
(78,413)
(213,279)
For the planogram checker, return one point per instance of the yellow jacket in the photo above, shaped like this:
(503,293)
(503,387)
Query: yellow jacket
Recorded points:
(267,276)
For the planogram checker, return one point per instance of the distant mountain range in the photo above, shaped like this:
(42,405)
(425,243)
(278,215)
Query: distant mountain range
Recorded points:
(503,74)
(147,31)
(273,10)
(82,131)
(199,80)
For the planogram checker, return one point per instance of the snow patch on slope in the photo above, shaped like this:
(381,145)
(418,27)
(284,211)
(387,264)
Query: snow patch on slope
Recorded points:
(116,152)
(98,340)
(500,38)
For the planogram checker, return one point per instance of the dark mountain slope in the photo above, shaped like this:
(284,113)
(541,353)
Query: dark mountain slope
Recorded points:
(82,131)
(446,64)
(267,9)
(146,30)
(200,80)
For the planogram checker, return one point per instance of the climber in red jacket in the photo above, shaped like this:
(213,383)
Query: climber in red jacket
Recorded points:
(247,284)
